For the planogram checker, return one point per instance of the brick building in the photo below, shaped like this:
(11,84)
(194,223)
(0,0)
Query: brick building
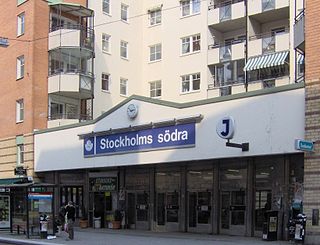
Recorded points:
(26,53)
(312,121)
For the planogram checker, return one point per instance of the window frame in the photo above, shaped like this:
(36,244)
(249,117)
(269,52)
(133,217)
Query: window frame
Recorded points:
(155,89)
(124,48)
(106,2)
(104,79)
(124,84)
(20,67)
(193,42)
(124,10)
(189,78)
(190,5)
(157,54)
(21,24)
(19,111)
(105,39)
(153,19)
(20,154)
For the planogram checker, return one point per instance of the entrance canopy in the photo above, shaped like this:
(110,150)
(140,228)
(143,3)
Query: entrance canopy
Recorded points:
(265,61)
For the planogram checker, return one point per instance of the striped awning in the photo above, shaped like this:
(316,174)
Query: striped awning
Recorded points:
(300,59)
(265,61)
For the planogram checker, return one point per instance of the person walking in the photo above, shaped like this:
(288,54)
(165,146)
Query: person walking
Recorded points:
(70,218)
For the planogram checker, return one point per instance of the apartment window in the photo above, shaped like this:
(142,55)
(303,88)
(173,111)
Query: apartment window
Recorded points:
(124,86)
(124,12)
(190,83)
(190,44)
(124,49)
(20,67)
(155,17)
(189,7)
(106,42)
(106,6)
(56,111)
(20,154)
(155,52)
(105,82)
(19,110)
(21,24)
(155,89)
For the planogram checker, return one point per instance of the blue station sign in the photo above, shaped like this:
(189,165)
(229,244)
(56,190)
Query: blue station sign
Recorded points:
(304,145)
(182,135)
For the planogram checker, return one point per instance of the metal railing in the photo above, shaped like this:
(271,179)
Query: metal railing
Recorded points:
(223,3)
(72,116)
(222,44)
(299,16)
(58,71)
(267,34)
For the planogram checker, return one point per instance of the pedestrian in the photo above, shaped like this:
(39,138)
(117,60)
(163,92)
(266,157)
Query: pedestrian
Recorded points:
(70,218)
(62,214)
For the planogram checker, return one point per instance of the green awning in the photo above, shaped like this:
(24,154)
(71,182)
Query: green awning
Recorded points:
(265,61)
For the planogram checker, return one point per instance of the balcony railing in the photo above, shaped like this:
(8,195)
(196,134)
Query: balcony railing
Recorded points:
(299,16)
(267,34)
(268,5)
(82,72)
(60,116)
(223,4)
(86,34)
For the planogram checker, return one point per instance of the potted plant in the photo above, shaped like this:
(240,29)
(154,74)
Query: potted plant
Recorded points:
(83,222)
(116,223)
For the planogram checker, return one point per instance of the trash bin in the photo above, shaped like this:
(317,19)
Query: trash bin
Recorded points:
(43,219)
(270,227)
(97,222)
(300,227)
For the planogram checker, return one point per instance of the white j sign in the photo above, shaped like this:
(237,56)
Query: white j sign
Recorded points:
(225,127)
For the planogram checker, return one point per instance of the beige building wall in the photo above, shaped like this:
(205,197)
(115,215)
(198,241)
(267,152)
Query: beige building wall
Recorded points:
(8,156)
(140,36)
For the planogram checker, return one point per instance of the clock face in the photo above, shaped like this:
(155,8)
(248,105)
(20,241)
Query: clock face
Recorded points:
(132,110)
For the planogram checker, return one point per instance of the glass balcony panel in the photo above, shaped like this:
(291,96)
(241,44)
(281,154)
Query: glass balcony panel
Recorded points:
(225,53)
(268,5)
(268,45)
(225,12)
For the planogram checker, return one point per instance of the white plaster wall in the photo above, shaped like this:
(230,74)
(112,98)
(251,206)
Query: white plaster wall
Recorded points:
(270,123)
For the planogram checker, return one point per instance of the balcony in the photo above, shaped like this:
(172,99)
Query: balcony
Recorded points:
(71,83)
(227,15)
(299,33)
(58,120)
(71,36)
(268,42)
(268,83)
(263,6)
(222,53)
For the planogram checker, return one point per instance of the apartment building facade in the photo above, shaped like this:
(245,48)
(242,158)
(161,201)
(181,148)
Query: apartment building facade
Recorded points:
(217,48)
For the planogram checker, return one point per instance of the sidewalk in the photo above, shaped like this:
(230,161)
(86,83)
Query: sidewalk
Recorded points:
(118,237)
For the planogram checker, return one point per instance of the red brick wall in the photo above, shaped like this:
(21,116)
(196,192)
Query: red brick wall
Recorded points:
(312,28)
(33,88)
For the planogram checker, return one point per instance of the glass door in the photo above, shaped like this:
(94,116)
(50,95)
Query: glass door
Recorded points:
(168,211)
(233,210)
(142,209)
(199,212)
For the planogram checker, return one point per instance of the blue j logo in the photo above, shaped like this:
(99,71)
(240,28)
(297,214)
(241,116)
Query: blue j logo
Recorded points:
(225,127)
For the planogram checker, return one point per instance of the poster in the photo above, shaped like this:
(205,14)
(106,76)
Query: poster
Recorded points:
(4,211)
